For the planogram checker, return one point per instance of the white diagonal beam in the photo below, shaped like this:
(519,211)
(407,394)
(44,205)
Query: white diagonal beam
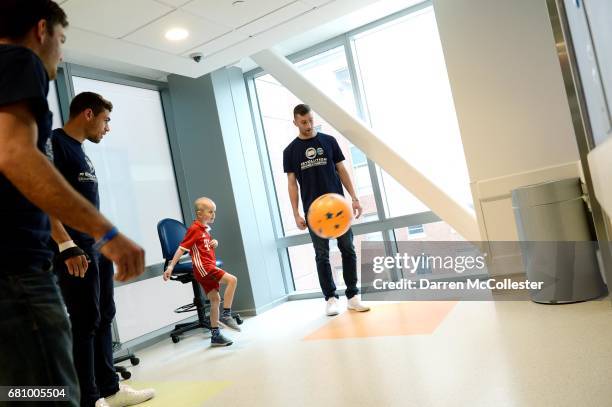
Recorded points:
(374,148)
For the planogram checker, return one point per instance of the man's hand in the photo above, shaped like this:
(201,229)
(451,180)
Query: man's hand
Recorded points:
(300,222)
(214,243)
(77,266)
(357,209)
(75,259)
(168,273)
(127,256)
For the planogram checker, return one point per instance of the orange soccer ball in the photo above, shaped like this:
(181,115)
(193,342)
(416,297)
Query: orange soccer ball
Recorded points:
(330,216)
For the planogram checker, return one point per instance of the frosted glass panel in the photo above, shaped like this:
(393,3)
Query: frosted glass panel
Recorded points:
(148,305)
(133,164)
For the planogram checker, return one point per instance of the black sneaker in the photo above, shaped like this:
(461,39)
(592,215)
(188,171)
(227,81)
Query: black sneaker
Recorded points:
(229,322)
(219,340)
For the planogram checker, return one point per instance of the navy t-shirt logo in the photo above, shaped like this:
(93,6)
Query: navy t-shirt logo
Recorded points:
(90,174)
(311,153)
(313,161)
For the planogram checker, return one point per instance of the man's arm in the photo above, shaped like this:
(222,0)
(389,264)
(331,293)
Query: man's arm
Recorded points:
(345,178)
(295,199)
(35,177)
(76,265)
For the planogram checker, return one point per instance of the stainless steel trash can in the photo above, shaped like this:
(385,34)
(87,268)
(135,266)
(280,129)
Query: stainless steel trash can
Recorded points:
(557,242)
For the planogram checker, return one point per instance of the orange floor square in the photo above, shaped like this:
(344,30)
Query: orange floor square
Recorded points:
(397,319)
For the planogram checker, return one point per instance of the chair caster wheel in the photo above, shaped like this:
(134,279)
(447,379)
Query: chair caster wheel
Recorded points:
(126,375)
(134,361)
(238,319)
(175,338)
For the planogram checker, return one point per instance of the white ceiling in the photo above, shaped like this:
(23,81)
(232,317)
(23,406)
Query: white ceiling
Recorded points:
(128,36)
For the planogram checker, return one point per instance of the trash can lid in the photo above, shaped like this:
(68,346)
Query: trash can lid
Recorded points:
(546,193)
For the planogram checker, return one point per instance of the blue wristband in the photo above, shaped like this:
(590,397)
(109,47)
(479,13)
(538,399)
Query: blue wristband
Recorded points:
(106,238)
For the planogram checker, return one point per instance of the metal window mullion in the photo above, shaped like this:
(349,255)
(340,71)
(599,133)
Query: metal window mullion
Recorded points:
(114,77)
(368,227)
(363,113)
(271,192)
(65,90)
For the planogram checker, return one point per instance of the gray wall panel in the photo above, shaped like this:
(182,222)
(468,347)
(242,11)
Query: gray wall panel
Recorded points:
(216,147)
(200,142)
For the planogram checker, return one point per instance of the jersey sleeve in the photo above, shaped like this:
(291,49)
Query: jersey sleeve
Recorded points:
(25,80)
(287,161)
(190,238)
(337,152)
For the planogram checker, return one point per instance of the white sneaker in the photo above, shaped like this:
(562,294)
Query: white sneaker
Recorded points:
(331,308)
(102,403)
(356,305)
(126,396)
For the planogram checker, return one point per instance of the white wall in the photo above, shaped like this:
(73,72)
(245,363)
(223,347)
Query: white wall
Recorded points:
(507,85)
(510,101)
(148,305)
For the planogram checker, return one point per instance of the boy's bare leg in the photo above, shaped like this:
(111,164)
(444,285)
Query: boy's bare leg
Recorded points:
(215,301)
(231,282)
(217,338)
(226,318)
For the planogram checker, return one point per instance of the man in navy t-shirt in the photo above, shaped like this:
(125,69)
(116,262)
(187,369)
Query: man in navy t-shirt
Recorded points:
(314,165)
(88,287)
(34,329)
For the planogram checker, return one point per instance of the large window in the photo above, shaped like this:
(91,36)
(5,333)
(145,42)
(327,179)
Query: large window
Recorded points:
(410,105)
(399,86)
(133,164)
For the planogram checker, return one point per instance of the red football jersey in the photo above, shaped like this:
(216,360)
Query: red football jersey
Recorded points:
(197,242)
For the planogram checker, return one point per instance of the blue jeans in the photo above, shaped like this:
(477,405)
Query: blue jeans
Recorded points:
(349,264)
(91,308)
(35,338)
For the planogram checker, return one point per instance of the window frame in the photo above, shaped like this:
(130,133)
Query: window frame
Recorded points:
(65,93)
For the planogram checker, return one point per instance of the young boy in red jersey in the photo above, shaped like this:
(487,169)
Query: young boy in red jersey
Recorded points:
(201,246)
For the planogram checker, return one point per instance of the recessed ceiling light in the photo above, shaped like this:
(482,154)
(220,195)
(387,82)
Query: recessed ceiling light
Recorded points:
(177,34)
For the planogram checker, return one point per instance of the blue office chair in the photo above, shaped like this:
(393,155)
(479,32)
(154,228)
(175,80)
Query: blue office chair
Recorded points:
(171,233)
